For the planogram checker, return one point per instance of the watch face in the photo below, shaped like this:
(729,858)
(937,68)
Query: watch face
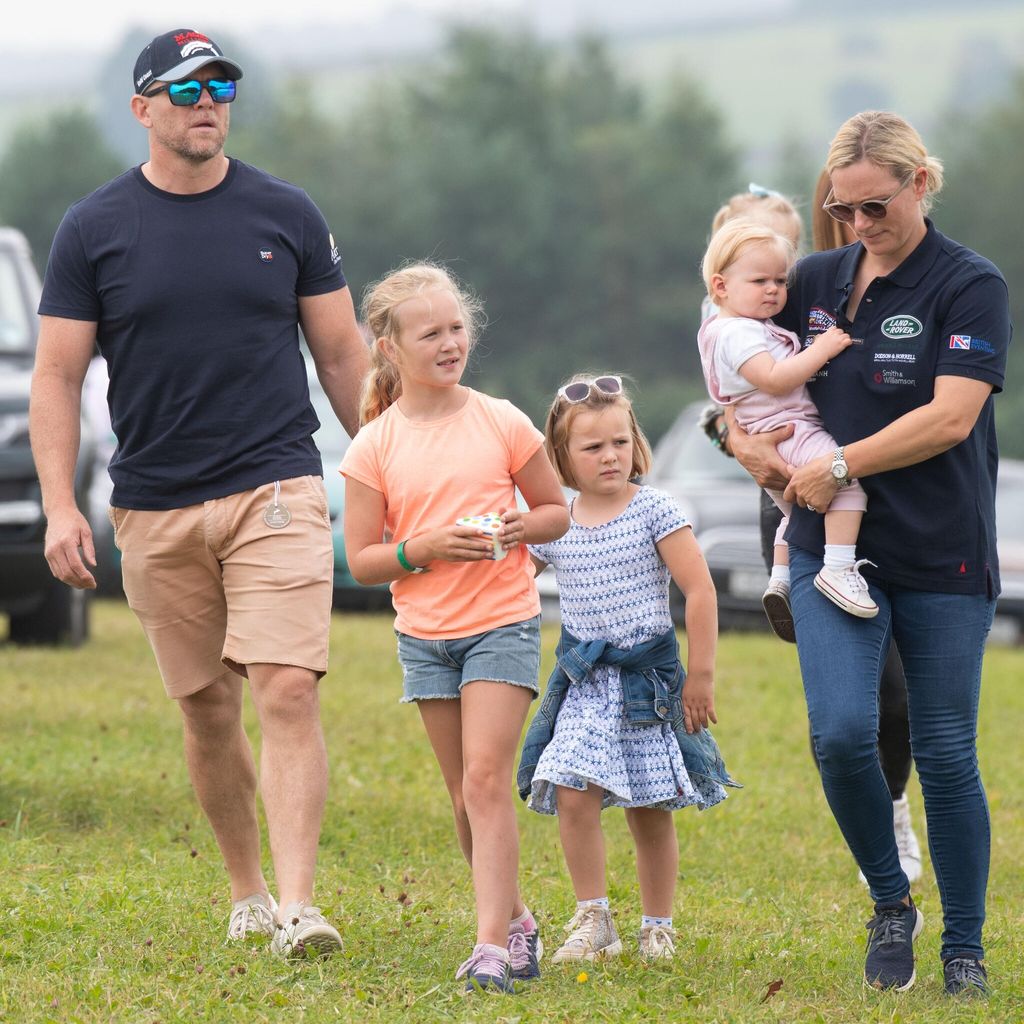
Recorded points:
(839,470)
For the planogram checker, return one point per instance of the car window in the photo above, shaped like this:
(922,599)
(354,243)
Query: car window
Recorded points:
(685,452)
(1010,505)
(15,315)
(331,438)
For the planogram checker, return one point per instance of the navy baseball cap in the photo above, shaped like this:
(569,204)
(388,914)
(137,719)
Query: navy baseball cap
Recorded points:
(176,55)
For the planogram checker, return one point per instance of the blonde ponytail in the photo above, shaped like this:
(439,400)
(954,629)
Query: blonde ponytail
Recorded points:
(381,386)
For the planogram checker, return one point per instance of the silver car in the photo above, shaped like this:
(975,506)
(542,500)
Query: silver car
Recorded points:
(722,504)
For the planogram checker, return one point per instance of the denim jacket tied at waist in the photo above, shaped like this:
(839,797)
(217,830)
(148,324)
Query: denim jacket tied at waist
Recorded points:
(652,681)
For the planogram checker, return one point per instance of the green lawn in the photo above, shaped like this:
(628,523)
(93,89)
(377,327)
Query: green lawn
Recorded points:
(113,902)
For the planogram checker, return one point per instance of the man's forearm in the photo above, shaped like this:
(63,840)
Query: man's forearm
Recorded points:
(55,412)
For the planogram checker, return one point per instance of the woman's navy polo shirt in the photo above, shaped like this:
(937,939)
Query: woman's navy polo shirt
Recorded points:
(944,311)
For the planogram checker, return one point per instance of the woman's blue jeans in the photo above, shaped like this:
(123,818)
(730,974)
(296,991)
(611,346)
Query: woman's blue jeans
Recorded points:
(941,639)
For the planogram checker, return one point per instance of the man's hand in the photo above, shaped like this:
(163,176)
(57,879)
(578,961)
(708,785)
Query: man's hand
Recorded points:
(68,539)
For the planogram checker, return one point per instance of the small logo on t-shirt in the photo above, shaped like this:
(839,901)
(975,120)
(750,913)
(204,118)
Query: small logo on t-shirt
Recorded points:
(820,320)
(963,569)
(966,342)
(266,255)
(335,255)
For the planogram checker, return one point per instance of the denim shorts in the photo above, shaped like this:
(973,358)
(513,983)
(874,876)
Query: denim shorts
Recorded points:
(438,669)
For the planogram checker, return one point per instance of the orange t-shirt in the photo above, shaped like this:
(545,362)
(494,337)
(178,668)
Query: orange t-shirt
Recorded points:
(433,473)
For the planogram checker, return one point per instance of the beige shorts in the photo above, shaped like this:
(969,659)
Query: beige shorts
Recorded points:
(214,585)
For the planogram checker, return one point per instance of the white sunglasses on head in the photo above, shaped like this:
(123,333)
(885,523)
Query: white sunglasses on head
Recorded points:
(579,390)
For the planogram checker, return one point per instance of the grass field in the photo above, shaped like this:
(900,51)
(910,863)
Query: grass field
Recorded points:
(113,902)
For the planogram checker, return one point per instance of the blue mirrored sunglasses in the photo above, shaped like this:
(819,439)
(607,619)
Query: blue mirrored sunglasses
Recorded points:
(188,92)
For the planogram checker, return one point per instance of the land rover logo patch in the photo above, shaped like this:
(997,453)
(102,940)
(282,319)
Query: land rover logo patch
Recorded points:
(902,326)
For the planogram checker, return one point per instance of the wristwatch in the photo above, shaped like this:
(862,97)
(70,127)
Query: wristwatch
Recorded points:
(840,471)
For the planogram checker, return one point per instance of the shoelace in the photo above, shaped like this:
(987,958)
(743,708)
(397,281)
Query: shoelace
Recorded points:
(256,913)
(484,961)
(966,972)
(659,940)
(518,950)
(887,927)
(581,927)
(852,576)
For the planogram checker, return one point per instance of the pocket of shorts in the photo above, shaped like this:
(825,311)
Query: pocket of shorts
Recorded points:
(319,488)
(116,517)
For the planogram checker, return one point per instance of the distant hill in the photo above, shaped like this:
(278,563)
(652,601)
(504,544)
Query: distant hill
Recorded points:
(788,80)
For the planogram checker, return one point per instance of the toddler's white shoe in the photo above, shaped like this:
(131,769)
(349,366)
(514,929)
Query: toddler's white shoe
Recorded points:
(847,589)
(780,615)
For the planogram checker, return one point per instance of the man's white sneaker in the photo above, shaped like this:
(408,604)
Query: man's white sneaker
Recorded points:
(253,915)
(906,841)
(847,589)
(780,615)
(302,931)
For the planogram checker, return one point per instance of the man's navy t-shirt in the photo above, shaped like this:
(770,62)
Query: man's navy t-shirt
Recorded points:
(943,311)
(196,303)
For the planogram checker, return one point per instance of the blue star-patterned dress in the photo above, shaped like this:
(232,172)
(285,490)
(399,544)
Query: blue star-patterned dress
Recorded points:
(613,585)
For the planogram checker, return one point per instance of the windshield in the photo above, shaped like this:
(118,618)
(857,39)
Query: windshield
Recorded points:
(15,314)
(685,453)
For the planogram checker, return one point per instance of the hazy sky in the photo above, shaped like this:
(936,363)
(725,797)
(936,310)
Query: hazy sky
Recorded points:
(38,27)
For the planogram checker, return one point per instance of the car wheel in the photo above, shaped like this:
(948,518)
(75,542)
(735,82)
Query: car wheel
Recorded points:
(62,619)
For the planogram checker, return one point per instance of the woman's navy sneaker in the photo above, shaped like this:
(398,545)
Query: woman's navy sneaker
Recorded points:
(965,976)
(890,957)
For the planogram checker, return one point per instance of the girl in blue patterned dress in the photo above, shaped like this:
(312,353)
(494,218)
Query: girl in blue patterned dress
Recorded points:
(617,728)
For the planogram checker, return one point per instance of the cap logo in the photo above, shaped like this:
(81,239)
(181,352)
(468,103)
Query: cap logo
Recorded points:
(193,42)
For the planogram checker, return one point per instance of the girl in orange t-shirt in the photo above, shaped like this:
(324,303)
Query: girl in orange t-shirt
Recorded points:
(432,452)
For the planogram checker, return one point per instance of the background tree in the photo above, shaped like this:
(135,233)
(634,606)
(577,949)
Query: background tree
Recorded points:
(48,167)
(983,157)
(576,206)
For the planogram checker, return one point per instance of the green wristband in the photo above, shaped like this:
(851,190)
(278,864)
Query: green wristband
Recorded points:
(405,563)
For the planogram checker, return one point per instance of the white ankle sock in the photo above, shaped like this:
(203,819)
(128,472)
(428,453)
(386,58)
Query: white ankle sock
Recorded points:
(839,556)
(661,922)
(780,572)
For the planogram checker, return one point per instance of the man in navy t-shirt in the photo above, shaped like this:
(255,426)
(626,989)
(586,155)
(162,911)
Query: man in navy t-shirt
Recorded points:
(193,273)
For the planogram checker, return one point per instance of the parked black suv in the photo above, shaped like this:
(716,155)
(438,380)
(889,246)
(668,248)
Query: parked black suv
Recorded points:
(42,610)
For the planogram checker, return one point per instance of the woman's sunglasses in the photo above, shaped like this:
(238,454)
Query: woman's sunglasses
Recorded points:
(187,93)
(874,209)
(579,390)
